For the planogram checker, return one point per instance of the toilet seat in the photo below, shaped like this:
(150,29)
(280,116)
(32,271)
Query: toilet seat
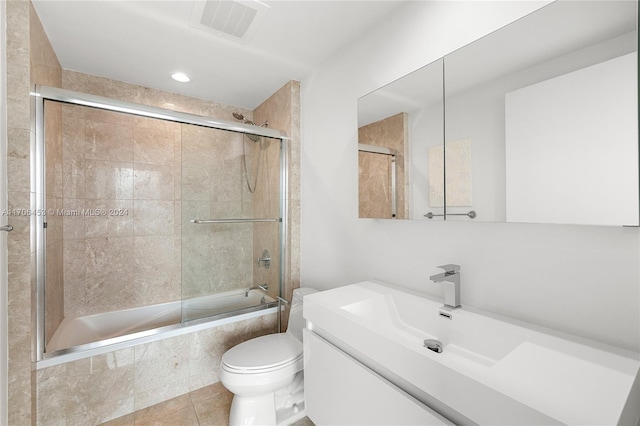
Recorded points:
(263,354)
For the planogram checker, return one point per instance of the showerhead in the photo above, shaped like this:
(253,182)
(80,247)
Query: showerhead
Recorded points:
(238,116)
(242,118)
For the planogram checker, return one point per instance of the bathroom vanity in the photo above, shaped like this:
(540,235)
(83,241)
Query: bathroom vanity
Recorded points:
(366,363)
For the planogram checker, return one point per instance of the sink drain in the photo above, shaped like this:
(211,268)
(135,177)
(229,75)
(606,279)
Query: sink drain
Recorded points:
(433,345)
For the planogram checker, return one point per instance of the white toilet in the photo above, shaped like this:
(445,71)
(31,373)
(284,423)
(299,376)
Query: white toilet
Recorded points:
(265,374)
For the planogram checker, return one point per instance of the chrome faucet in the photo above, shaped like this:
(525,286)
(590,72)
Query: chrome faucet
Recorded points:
(451,279)
(263,287)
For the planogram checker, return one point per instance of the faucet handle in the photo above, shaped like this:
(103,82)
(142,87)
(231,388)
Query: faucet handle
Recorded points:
(450,268)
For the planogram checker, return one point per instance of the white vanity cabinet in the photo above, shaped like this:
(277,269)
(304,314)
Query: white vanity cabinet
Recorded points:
(340,390)
(365,363)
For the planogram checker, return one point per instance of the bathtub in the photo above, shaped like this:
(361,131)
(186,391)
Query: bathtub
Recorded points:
(84,332)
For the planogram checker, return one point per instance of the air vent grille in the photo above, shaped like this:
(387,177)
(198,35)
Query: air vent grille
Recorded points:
(235,19)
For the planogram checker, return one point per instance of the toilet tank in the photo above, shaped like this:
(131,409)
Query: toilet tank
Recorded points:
(296,321)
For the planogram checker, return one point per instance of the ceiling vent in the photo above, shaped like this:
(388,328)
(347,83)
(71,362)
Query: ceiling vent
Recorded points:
(233,19)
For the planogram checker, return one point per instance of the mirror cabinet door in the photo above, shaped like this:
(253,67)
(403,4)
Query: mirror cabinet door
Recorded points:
(541,125)
(542,119)
(400,147)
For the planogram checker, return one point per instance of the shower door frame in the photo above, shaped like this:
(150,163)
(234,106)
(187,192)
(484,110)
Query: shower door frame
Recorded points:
(38,193)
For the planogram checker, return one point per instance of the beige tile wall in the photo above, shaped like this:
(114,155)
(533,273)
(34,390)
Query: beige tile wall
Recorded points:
(54,302)
(374,179)
(30,59)
(215,258)
(104,387)
(282,110)
(124,167)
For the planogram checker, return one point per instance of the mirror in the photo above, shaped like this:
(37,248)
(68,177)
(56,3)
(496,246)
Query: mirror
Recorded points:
(399,125)
(541,122)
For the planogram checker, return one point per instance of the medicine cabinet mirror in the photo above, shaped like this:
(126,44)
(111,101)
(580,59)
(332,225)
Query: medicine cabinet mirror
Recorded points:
(540,124)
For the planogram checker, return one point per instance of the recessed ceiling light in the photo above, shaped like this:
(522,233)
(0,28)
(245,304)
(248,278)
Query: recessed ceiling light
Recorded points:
(181,77)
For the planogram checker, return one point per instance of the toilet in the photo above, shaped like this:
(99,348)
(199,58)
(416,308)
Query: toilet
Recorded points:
(265,374)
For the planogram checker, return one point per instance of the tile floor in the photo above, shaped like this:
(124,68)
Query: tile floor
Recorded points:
(208,406)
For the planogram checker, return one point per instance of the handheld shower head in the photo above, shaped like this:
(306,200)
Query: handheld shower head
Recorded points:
(238,116)
(242,118)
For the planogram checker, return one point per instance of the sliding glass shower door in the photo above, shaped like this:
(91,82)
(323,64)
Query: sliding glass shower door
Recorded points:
(230,221)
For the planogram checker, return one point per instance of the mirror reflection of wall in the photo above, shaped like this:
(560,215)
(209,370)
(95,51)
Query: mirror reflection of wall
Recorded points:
(457,164)
(381,183)
(418,98)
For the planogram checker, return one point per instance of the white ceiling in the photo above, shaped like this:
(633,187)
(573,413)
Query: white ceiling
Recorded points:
(143,42)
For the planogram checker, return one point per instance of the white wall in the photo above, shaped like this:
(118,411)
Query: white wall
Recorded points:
(579,279)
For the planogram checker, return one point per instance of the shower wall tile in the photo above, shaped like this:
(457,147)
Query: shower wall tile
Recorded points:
(74,276)
(19,401)
(18,65)
(29,60)
(198,149)
(118,174)
(196,183)
(282,110)
(18,163)
(19,348)
(157,269)
(177,165)
(18,144)
(147,96)
(108,218)
(73,132)
(73,221)
(109,268)
(107,141)
(112,118)
(240,208)
(226,182)
(153,217)
(108,180)
(54,288)
(153,182)
(74,178)
(154,143)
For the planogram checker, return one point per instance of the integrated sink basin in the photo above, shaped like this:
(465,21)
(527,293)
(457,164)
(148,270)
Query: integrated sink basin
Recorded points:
(469,342)
(491,370)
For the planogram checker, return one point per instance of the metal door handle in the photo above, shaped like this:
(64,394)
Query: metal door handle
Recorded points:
(7,228)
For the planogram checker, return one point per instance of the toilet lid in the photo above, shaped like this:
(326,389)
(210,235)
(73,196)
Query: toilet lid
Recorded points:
(263,352)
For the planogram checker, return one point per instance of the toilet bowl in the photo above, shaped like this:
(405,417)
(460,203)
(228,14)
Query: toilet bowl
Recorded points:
(265,374)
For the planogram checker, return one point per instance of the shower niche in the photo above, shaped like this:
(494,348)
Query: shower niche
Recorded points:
(150,220)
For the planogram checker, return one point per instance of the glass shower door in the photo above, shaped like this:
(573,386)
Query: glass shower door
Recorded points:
(230,216)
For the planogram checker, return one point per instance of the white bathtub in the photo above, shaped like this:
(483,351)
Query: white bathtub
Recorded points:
(109,327)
